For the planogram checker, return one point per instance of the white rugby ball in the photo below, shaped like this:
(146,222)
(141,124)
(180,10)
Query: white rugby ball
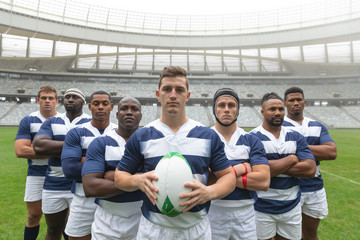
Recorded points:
(173,171)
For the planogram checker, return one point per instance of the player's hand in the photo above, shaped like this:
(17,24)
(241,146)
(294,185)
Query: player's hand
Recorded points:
(109,175)
(144,182)
(82,159)
(293,158)
(241,170)
(199,195)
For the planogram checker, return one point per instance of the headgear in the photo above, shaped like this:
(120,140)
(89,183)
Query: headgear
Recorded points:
(75,91)
(225,92)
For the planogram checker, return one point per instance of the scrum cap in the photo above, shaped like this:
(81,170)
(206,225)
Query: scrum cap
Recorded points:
(75,91)
(229,93)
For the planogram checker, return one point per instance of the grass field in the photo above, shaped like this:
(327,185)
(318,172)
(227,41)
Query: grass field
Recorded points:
(342,183)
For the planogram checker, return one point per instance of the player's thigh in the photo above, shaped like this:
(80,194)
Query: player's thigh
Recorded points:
(315,204)
(289,223)
(107,226)
(33,188)
(55,201)
(151,231)
(265,225)
(232,223)
(81,216)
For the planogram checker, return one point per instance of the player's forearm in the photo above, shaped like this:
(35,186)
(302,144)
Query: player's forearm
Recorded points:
(279,166)
(305,168)
(26,152)
(326,151)
(125,181)
(100,187)
(258,180)
(48,147)
(224,185)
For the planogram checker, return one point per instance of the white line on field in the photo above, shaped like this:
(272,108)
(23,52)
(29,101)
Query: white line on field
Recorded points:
(338,176)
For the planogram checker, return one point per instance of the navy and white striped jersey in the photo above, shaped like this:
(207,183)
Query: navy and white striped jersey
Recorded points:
(56,128)
(284,192)
(104,154)
(315,133)
(201,147)
(241,148)
(28,127)
(76,143)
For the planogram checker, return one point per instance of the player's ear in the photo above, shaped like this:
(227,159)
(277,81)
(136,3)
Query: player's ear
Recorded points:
(157,94)
(304,102)
(37,100)
(89,106)
(188,96)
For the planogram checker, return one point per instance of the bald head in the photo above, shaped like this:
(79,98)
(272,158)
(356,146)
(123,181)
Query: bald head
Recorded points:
(129,113)
(129,99)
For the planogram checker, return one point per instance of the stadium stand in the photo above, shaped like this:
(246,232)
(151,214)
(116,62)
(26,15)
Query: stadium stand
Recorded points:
(312,47)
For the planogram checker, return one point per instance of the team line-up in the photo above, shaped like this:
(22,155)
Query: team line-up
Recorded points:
(93,179)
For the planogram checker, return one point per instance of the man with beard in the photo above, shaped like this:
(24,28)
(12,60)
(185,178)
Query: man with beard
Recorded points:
(77,141)
(313,197)
(278,211)
(118,213)
(49,142)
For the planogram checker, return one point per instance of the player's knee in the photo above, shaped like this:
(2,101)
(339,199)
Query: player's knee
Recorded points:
(310,234)
(54,231)
(33,218)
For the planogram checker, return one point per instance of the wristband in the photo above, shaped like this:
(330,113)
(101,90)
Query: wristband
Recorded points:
(244,180)
(246,171)
(234,171)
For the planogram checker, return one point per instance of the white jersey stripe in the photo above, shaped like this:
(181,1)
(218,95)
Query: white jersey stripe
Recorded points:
(280,194)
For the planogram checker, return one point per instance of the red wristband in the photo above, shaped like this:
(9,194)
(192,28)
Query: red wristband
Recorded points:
(234,171)
(244,180)
(246,171)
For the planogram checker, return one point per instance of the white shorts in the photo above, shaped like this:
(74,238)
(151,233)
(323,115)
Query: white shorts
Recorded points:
(107,226)
(151,231)
(287,225)
(314,204)
(33,188)
(81,216)
(55,201)
(232,223)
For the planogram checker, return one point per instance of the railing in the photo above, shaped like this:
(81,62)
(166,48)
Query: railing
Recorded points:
(113,19)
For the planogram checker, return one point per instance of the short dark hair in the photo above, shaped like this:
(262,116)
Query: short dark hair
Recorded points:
(173,71)
(100,92)
(271,95)
(47,89)
(293,90)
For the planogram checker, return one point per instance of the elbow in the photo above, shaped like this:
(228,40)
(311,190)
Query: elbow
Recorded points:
(312,172)
(88,192)
(265,186)
(333,155)
(37,150)
(18,154)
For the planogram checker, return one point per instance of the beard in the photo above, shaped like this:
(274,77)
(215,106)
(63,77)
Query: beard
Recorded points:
(273,123)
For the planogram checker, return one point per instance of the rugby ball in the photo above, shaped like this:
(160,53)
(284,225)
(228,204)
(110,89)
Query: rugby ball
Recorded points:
(173,171)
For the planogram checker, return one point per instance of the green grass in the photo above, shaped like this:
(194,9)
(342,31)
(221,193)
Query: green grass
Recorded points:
(343,195)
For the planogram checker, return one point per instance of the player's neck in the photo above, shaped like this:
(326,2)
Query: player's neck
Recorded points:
(72,115)
(297,118)
(274,130)
(125,133)
(174,122)
(48,114)
(100,124)
(226,131)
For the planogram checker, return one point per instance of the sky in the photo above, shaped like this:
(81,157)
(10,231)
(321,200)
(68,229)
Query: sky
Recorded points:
(199,7)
